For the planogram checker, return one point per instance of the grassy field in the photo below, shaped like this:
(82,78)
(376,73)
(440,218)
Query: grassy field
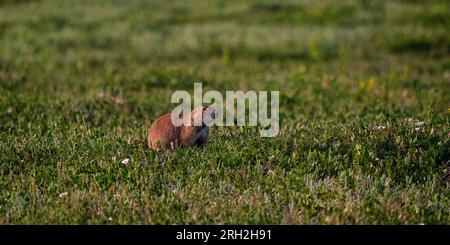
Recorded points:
(364,108)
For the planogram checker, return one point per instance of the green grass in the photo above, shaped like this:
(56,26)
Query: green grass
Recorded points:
(81,80)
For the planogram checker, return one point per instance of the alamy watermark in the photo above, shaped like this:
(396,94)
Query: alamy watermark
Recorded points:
(233,108)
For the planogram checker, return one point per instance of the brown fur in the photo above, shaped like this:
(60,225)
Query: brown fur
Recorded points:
(163,134)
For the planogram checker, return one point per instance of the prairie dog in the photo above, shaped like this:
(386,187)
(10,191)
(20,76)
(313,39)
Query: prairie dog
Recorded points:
(162,133)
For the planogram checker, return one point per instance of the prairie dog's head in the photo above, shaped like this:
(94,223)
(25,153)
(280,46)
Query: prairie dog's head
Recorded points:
(202,116)
(199,121)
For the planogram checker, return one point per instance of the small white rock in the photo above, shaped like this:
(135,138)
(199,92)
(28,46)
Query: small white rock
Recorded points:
(379,127)
(63,194)
(124,162)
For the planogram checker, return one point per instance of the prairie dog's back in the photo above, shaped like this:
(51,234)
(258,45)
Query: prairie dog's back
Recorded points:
(163,133)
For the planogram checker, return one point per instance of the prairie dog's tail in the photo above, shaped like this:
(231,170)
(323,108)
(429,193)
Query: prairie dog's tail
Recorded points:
(141,143)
